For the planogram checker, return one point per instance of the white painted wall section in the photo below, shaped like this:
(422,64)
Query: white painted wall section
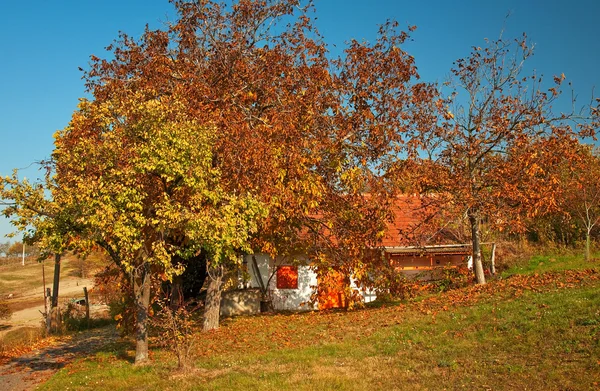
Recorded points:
(367,294)
(292,299)
(284,299)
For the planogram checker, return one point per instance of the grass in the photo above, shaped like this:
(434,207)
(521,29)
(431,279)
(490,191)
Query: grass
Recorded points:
(522,332)
(20,339)
(552,262)
(15,277)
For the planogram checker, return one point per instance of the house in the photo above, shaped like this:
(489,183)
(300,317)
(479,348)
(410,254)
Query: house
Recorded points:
(291,285)
(410,214)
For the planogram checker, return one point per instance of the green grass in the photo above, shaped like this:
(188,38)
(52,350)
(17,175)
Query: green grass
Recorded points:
(546,263)
(505,338)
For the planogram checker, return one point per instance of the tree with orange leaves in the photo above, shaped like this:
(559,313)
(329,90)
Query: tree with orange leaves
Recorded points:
(283,132)
(496,140)
(582,193)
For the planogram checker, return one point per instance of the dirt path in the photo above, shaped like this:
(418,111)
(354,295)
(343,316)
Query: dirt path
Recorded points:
(27,372)
(32,316)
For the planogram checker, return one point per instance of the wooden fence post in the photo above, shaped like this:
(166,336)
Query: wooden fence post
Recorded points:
(48,308)
(87,306)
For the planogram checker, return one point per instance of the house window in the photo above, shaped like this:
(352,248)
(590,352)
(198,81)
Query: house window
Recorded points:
(287,277)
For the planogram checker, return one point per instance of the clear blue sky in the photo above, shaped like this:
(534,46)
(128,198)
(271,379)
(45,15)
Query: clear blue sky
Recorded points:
(44,42)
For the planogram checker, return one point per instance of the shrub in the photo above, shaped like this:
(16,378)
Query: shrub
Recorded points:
(5,311)
(175,327)
(114,290)
(74,319)
(450,277)
(18,340)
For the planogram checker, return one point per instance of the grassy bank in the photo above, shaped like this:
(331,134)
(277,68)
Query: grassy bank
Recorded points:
(526,332)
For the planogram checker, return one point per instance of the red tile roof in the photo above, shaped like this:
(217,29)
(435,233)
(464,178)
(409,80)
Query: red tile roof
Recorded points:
(408,214)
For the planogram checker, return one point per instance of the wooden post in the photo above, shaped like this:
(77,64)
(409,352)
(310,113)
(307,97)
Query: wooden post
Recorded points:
(45,292)
(493,260)
(47,305)
(87,306)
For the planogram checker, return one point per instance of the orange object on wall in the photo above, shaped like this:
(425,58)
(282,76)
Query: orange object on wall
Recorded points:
(331,291)
(287,277)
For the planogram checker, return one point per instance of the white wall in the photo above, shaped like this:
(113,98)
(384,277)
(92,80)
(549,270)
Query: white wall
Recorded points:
(293,299)
(284,299)
(368,295)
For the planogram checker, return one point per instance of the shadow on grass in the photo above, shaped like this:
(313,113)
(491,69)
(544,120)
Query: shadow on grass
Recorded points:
(82,345)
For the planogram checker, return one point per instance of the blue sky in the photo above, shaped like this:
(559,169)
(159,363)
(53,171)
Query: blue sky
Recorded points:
(44,43)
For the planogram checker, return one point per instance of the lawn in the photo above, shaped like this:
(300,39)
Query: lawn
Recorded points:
(524,332)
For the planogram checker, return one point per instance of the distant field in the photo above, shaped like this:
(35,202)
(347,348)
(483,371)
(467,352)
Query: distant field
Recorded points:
(533,331)
(17,279)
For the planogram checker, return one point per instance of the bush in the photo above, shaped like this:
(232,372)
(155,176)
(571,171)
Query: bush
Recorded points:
(450,277)
(176,329)
(391,284)
(5,311)
(74,319)
(114,290)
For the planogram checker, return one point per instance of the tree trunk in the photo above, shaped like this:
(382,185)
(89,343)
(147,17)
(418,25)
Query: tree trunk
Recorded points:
(212,306)
(87,307)
(588,254)
(475,237)
(177,298)
(141,290)
(493,260)
(56,281)
(53,320)
(48,309)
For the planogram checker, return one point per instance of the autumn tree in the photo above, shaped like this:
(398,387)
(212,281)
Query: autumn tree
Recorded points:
(306,134)
(139,170)
(582,193)
(15,249)
(4,248)
(497,137)
(45,222)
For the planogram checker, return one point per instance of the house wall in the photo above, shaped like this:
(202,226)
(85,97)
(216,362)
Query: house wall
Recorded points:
(368,295)
(292,299)
(284,299)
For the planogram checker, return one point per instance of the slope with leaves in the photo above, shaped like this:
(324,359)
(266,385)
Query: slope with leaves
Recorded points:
(514,330)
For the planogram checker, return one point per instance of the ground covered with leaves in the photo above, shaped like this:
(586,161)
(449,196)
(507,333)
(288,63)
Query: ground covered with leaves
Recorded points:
(534,331)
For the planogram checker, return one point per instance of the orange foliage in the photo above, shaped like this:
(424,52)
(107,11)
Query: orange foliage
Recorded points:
(306,133)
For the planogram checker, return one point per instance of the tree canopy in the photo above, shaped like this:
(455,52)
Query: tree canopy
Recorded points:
(140,173)
(234,130)
(497,138)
